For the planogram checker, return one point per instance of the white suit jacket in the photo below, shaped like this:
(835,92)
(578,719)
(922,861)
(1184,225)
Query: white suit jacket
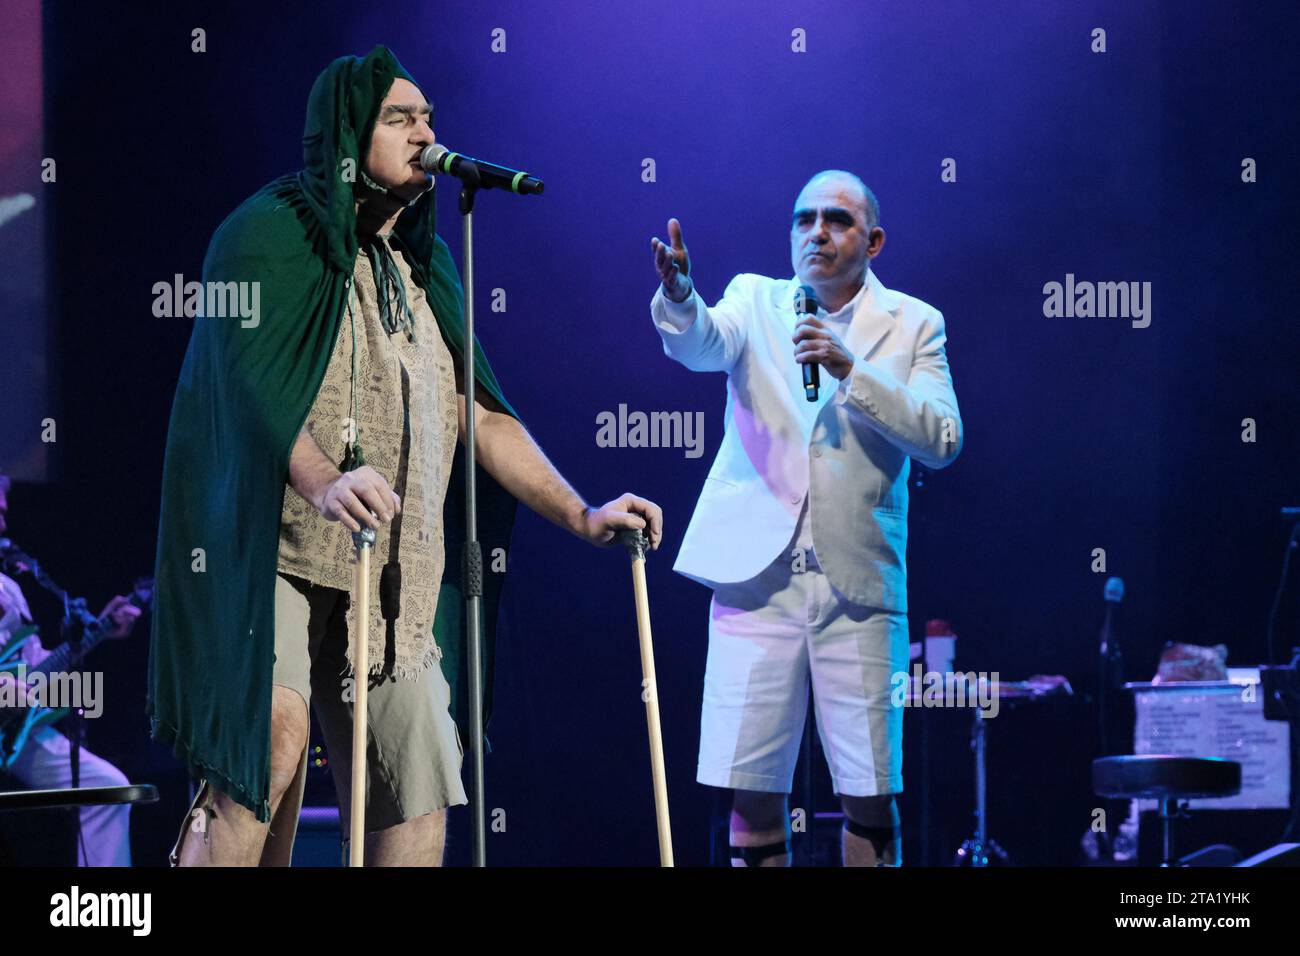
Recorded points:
(850,450)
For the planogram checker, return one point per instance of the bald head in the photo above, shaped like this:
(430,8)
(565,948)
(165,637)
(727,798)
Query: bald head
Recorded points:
(834,233)
(869,207)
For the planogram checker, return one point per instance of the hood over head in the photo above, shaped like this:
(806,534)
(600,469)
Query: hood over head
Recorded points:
(341,112)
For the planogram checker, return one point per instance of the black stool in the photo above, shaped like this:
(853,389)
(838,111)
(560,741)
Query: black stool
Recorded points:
(1166,779)
(83,797)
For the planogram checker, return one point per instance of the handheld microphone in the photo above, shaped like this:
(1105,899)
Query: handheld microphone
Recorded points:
(805,301)
(436,158)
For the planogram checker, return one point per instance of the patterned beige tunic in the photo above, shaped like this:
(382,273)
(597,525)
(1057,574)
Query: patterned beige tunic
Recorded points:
(398,383)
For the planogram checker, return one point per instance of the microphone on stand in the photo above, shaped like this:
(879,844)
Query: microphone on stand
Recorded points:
(436,158)
(805,302)
(1113,593)
(1108,666)
(1109,656)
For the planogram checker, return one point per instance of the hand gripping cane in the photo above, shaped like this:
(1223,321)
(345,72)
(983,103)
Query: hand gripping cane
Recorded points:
(364,540)
(635,543)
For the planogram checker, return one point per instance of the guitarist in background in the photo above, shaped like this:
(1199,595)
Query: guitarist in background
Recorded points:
(44,762)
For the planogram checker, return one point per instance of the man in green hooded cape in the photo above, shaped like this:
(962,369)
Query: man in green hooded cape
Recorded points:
(357,307)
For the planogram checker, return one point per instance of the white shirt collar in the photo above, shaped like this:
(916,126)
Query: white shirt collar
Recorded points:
(845,313)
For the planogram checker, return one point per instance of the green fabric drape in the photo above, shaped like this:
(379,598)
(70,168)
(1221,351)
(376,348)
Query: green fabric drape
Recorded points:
(243,395)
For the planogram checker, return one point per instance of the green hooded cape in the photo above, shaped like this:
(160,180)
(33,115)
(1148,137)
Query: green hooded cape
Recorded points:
(243,395)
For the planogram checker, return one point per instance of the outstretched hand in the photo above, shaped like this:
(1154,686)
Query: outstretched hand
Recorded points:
(673,263)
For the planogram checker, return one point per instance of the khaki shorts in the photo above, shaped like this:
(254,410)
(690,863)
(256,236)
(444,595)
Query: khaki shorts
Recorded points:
(414,755)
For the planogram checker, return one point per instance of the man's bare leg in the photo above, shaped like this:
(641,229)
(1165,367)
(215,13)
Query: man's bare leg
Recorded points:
(278,848)
(234,835)
(884,844)
(760,819)
(416,842)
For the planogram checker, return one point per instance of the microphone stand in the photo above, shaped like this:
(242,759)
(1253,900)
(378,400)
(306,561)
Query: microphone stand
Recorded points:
(1109,658)
(74,627)
(472,180)
(472,553)
(1109,667)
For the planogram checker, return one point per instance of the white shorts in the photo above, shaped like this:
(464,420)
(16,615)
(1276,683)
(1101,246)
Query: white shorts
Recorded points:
(766,636)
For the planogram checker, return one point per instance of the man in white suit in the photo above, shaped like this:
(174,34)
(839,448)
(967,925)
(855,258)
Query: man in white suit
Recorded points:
(801,529)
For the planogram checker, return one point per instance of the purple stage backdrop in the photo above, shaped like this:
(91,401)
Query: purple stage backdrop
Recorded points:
(1012,145)
(26,185)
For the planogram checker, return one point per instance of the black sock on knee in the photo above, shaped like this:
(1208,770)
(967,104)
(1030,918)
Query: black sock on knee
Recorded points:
(754,855)
(879,837)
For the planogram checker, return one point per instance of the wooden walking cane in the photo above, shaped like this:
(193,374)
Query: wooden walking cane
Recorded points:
(635,543)
(364,540)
